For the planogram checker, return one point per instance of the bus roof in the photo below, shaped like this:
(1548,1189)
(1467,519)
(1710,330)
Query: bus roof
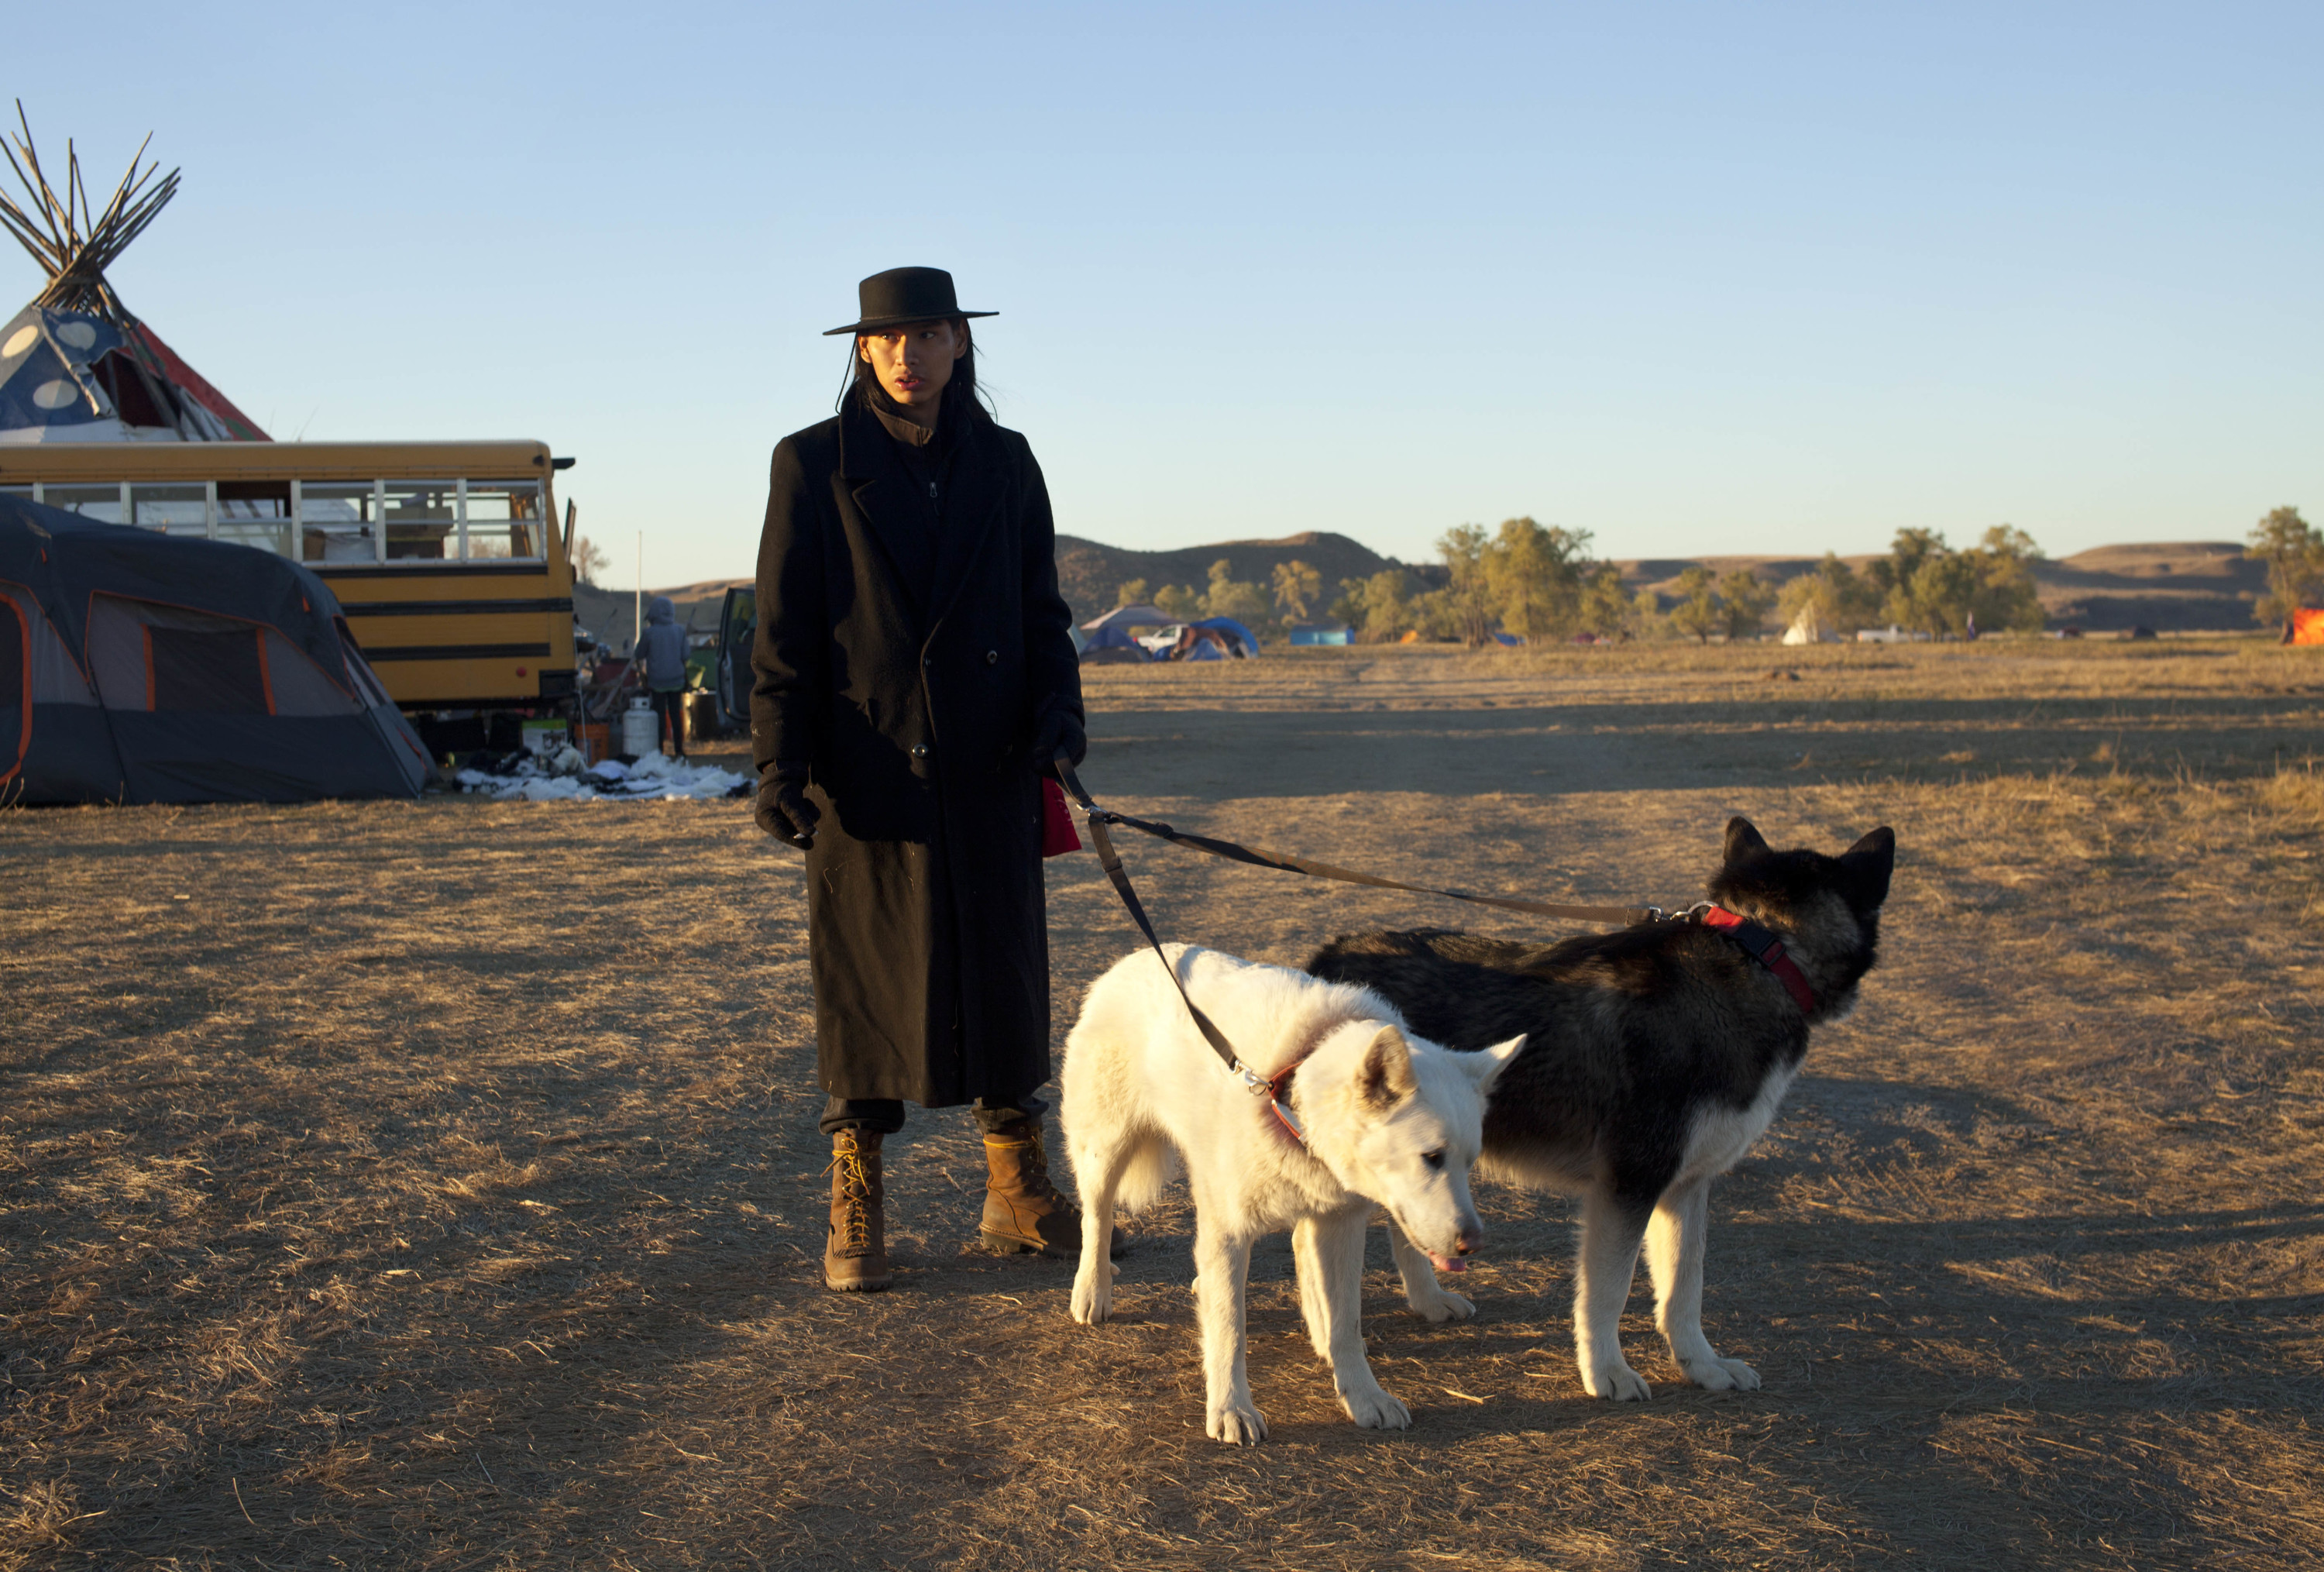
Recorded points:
(188,461)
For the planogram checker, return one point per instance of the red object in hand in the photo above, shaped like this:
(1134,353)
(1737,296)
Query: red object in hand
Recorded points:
(1058,835)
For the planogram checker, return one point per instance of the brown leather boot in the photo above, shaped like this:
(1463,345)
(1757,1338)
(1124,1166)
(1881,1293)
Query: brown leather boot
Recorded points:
(1023,1211)
(855,1244)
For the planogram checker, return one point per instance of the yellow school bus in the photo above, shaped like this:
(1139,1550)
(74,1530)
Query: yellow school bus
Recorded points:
(444,555)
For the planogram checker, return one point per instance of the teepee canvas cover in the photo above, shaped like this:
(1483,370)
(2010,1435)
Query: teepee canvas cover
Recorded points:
(76,365)
(140,667)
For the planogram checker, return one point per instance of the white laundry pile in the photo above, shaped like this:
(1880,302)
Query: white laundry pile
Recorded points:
(561,777)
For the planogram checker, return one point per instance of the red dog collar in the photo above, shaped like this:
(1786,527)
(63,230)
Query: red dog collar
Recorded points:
(1766,950)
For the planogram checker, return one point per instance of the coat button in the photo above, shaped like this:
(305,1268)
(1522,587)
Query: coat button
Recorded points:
(920,750)
(993,657)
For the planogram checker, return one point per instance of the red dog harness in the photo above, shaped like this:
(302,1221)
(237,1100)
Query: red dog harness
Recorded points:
(1766,949)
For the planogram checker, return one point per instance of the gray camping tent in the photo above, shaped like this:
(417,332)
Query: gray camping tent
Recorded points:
(139,667)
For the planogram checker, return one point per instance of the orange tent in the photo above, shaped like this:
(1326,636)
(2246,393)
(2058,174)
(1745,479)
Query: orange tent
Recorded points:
(2307,626)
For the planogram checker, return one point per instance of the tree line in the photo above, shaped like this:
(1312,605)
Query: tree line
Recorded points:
(1542,583)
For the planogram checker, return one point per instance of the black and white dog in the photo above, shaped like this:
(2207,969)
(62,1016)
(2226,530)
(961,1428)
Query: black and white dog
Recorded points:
(1653,1058)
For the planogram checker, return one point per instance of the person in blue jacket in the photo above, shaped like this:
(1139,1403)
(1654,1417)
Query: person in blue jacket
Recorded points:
(661,659)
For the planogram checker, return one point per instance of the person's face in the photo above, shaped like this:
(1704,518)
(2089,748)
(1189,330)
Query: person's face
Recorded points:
(914,362)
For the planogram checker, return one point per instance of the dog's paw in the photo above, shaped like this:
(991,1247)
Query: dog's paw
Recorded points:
(1444,1307)
(1717,1374)
(1374,1410)
(1616,1381)
(1093,1293)
(1237,1422)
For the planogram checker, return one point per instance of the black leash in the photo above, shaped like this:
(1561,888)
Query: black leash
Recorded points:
(1110,861)
(1626,916)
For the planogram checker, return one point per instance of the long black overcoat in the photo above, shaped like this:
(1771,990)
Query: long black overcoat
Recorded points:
(906,654)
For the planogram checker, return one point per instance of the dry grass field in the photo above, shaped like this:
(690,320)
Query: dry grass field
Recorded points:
(435,1185)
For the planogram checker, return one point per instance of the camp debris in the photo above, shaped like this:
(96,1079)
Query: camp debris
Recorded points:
(76,364)
(140,667)
(563,777)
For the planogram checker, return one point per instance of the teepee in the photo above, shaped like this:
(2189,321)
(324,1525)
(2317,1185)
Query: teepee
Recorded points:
(76,365)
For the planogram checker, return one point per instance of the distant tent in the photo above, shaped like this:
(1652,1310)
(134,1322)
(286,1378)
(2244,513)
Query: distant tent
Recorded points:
(1108,639)
(76,365)
(1338,633)
(1242,643)
(1126,617)
(140,667)
(2307,627)
(1807,628)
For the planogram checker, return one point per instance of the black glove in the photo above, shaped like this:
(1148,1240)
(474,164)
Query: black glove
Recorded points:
(1058,731)
(783,811)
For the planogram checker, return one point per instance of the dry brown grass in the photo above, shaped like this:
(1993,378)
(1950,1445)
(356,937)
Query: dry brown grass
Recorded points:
(437,1185)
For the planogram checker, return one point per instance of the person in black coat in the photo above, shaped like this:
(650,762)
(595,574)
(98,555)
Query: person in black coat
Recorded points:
(914,677)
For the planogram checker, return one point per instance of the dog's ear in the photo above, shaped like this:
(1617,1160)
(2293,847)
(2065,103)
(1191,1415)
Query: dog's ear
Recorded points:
(1485,1065)
(1742,840)
(1870,862)
(1385,1078)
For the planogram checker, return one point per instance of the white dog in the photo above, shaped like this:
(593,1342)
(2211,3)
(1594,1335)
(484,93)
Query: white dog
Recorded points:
(1387,1119)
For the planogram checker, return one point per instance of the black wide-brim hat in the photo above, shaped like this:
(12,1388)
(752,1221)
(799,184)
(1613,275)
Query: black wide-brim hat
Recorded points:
(902,295)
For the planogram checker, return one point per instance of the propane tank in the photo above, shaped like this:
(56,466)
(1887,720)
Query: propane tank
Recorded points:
(640,728)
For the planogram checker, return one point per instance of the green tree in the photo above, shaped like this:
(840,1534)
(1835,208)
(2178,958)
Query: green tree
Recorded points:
(1468,598)
(1743,601)
(1889,577)
(1180,604)
(2006,595)
(1379,608)
(1437,615)
(1535,575)
(1940,597)
(1132,593)
(1647,618)
(1606,609)
(1698,614)
(2294,554)
(1297,587)
(1949,594)
(1230,596)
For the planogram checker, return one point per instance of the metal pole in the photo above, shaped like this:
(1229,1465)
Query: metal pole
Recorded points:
(638,610)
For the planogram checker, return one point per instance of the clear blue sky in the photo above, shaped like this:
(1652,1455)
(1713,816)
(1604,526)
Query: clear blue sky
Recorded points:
(1698,279)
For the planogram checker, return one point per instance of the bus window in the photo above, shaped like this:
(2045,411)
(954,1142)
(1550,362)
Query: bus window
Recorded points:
(256,513)
(419,517)
(503,519)
(334,520)
(100,502)
(174,510)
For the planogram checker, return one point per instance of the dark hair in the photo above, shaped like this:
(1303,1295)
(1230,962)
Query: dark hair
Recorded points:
(862,381)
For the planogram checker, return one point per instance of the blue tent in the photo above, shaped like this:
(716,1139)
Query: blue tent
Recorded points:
(139,667)
(1247,644)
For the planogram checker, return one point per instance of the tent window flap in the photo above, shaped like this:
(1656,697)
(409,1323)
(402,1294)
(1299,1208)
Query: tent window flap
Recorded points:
(221,673)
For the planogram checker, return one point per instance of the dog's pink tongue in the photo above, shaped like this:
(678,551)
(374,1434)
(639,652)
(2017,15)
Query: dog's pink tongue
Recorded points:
(1447,1263)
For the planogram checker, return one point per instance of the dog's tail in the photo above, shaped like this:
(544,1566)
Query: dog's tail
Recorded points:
(1153,1164)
